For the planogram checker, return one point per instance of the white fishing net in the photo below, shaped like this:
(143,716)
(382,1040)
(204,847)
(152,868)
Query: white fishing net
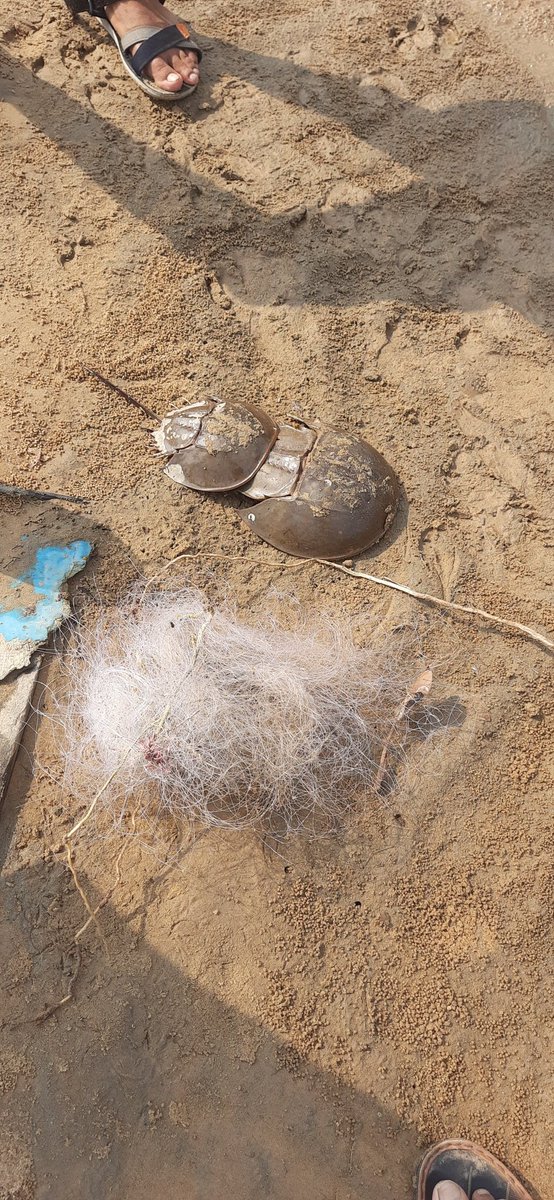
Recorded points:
(191,712)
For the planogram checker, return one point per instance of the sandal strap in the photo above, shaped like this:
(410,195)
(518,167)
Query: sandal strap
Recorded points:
(171,37)
(141,34)
(95,8)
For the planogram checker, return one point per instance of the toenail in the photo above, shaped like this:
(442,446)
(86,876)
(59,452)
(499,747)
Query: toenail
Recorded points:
(173,77)
(446,1191)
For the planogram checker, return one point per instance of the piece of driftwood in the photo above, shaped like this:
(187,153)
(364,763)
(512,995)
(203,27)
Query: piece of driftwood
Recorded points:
(15,702)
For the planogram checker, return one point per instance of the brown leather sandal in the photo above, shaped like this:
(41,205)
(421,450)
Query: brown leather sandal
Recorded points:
(471,1168)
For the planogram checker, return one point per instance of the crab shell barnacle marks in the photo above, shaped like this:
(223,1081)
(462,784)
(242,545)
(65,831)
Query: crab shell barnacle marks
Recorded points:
(342,502)
(215,445)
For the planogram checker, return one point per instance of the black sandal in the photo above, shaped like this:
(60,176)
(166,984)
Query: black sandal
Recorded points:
(471,1168)
(153,41)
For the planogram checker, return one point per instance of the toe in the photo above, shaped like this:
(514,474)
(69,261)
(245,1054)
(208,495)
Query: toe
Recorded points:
(448,1191)
(482,1194)
(186,64)
(164,75)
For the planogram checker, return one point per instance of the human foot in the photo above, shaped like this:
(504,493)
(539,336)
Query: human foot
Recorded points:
(451,1191)
(171,69)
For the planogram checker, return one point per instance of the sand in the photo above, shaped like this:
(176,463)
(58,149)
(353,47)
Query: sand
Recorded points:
(350,220)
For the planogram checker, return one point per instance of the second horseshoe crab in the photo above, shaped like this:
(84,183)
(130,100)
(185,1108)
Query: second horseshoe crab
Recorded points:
(215,445)
(341,501)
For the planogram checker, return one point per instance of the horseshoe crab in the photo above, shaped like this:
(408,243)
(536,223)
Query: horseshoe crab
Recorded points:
(342,500)
(216,445)
(322,494)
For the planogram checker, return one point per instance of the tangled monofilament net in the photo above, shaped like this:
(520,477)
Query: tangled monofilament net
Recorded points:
(196,714)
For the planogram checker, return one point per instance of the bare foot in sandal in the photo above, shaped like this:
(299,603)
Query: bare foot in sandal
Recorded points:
(170,69)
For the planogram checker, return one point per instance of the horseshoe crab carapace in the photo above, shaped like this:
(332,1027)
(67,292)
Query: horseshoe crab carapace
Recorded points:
(341,502)
(216,445)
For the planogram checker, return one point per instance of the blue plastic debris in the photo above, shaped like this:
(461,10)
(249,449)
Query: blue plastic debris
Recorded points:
(41,607)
